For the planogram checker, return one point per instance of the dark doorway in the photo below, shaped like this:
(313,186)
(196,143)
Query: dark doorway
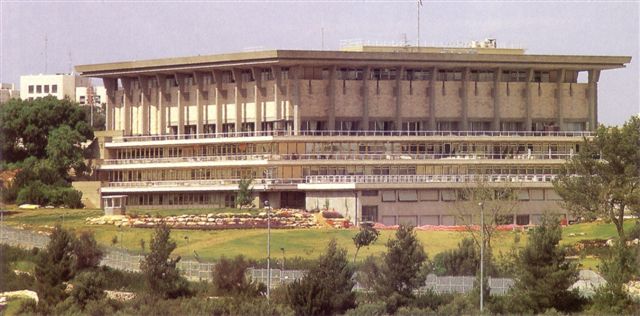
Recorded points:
(292,200)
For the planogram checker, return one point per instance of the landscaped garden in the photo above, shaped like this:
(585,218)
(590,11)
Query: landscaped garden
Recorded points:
(296,242)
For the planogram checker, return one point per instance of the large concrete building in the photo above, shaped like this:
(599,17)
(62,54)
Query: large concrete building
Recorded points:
(386,134)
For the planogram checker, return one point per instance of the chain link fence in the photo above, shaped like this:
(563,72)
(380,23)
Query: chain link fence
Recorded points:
(202,271)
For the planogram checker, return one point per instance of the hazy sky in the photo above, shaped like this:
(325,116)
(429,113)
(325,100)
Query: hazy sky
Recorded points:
(83,32)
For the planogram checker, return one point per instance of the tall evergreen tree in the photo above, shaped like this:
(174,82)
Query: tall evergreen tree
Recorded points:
(544,275)
(162,277)
(327,287)
(54,266)
(400,272)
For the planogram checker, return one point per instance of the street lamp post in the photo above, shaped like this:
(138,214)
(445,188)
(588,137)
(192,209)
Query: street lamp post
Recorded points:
(266,203)
(481,256)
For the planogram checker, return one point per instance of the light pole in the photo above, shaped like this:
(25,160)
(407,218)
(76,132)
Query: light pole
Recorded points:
(266,203)
(283,258)
(481,255)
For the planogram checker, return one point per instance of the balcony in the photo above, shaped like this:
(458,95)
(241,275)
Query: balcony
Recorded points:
(410,179)
(341,179)
(279,133)
(337,156)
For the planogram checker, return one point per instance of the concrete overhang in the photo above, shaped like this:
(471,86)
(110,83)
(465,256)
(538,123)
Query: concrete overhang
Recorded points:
(320,58)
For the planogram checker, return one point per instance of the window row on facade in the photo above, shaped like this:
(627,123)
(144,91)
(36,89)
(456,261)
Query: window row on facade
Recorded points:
(491,150)
(42,88)
(296,172)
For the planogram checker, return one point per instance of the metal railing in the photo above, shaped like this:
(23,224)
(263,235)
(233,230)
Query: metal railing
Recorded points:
(330,179)
(428,178)
(197,183)
(144,138)
(338,156)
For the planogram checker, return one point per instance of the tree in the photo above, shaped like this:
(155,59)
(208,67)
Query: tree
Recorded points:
(544,274)
(465,260)
(400,272)
(55,266)
(481,197)
(365,237)
(162,277)
(230,278)
(327,287)
(617,269)
(87,251)
(63,149)
(601,180)
(25,125)
(245,193)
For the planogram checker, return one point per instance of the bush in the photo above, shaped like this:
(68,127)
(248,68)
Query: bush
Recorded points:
(368,309)
(462,261)
(229,278)
(431,300)
(72,198)
(33,193)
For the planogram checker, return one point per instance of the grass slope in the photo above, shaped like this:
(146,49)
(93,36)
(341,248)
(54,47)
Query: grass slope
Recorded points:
(305,243)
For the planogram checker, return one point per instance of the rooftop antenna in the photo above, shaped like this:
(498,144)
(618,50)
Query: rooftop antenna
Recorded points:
(45,53)
(70,64)
(419,5)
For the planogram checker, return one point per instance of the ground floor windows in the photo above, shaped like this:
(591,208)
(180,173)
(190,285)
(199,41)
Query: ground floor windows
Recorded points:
(369,213)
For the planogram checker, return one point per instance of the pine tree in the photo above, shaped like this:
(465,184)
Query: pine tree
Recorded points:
(327,287)
(543,274)
(400,272)
(54,266)
(162,277)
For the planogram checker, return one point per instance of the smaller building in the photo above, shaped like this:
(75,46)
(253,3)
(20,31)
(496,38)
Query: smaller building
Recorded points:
(8,91)
(59,85)
(91,95)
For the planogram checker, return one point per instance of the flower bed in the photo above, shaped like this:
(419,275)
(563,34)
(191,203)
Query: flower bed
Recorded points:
(279,219)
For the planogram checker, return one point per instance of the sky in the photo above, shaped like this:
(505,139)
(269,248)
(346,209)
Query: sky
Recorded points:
(85,32)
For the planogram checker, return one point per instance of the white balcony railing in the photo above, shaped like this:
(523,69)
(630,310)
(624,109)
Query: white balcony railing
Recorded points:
(428,178)
(337,156)
(144,138)
(340,179)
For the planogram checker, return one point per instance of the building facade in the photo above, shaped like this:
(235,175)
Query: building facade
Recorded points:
(8,92)
(58,85)
(385,134)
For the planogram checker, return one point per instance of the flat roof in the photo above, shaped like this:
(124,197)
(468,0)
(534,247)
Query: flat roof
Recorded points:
(375,58)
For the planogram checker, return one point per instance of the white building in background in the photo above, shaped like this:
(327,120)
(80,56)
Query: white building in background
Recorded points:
(59,85)
(91,95)
(8,91)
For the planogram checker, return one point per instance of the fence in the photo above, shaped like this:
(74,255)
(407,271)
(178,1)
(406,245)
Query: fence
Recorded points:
(198,270)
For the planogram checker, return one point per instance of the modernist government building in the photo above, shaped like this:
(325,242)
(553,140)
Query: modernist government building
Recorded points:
(378,133)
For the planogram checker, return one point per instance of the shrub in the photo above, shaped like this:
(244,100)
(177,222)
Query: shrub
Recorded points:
(368,309)
(464,260)
(33,193)
(72,198)
(229,278)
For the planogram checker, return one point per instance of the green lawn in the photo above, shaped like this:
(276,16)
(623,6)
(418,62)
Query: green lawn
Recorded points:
(306,243)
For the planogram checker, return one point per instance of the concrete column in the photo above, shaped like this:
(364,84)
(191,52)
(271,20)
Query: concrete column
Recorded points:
(560,98)
(111,85)
(162,117)
(331,110)
(277,95)
(219,95)
(432,99)
(296,100)
(594,77)
(238,97)
(257,97)
(365,98)
(497,96)
(465,99)
(181,88)
(199,111)
(398,116)
(126,85)
(146,103)
(528,101)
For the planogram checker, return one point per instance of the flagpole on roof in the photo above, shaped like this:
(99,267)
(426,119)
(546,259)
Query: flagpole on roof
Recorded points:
(419,5)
